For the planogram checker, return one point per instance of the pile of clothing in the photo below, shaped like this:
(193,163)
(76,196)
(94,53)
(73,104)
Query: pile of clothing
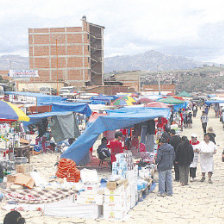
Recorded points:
(67,169)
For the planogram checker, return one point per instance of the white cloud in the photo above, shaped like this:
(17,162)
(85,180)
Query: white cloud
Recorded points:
(173,26)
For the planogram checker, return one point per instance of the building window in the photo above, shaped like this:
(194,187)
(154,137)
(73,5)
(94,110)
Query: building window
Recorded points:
(88,48)
(88,59)
(88,36)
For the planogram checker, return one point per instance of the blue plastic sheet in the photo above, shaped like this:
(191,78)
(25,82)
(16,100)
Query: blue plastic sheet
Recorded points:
(209,102)
(82,108)
(178,107)
(104,98)
(37,117)
(116,119)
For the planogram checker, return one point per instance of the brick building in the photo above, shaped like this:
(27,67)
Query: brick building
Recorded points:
(77,59)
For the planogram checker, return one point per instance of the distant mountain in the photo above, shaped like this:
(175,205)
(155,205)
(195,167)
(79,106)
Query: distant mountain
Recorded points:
(148,61)
(8,62)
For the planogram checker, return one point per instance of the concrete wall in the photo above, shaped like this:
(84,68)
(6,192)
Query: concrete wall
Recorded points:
(35,86)
(110,90)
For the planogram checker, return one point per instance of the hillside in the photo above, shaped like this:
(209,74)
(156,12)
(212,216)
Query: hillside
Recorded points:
(13,62)
(148,61)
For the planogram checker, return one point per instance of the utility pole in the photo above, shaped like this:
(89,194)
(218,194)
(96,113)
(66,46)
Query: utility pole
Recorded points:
(57,65)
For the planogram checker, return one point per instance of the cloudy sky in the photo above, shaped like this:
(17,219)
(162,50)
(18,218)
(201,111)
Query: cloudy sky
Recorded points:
(191,28)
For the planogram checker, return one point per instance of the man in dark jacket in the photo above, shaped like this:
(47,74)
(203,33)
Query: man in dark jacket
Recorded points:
(184,158)
(175,140)
(102,150)
(164,161)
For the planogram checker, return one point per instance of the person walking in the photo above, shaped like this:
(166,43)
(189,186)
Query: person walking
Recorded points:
(195,110)
(184,158)
(164,161)
(204,121)
(193,167)
(207,150)
(175,140)
(211,134)
(189,120)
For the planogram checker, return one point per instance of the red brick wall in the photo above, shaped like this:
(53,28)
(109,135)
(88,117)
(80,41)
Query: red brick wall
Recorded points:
(70,40)
(4,74)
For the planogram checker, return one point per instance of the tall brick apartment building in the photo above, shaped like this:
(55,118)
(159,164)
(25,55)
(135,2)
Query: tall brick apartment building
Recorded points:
(80,53)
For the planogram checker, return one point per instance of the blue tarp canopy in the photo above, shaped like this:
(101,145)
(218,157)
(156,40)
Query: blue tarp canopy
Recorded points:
(61,109)
(35,118)
(117,119)
(104,98)
(41,99)
(178,107)
(209,102)
(82,108)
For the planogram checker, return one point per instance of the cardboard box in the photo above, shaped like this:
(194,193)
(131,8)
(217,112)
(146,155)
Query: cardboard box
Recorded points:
(118,191)
(85,198)
(114,214)
(24,180)
(11,178)
(114,199)
(24,168)
(113,185)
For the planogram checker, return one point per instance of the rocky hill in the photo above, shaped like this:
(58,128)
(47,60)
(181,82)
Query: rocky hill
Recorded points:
(148,61)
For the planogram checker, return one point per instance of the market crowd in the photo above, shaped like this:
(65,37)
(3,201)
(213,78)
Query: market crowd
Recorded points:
(173,151)
(183,154)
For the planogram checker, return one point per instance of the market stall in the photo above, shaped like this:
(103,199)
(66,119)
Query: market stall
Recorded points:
(87,193)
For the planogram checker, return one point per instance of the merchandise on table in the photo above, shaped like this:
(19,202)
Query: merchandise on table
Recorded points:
(123,163)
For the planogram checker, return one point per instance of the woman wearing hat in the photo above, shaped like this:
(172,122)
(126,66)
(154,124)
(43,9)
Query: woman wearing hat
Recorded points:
(211,134)
(193,167)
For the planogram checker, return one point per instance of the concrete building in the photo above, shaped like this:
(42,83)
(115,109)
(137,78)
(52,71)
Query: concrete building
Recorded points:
(71,54)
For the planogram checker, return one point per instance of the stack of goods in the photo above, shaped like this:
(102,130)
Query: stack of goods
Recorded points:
(121,195)
(132,177)
(116,203)
(67,169)
(123,163)
(90,197)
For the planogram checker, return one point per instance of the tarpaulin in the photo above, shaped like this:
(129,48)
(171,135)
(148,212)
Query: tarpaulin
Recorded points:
(41,99)
(209,102)
(178,107)
(116,119)
(64,127)
(104,98)
(81,108)
(35,118)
